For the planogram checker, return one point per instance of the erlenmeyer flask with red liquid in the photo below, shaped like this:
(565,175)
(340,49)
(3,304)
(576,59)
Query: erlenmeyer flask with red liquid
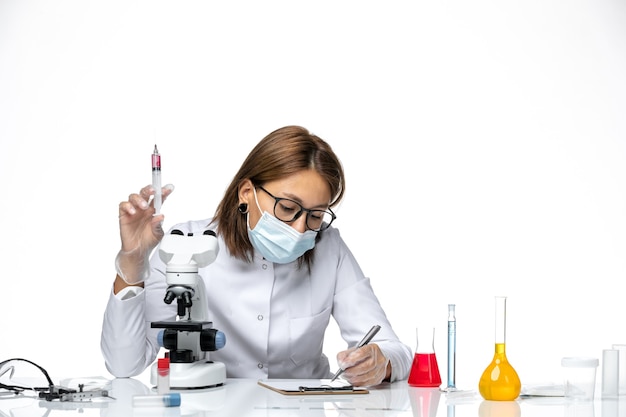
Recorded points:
(425,370)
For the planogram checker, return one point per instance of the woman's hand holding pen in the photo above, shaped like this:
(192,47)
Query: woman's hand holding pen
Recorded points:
(140,231)
(365,366)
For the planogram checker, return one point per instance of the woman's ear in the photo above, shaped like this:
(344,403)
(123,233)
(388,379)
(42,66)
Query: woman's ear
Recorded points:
(246,192)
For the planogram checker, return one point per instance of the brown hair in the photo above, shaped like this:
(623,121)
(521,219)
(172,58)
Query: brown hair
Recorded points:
(280,154)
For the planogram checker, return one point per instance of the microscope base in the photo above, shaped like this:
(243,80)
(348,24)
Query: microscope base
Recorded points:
(195,375)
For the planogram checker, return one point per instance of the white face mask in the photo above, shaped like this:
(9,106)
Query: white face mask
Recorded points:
(277,241)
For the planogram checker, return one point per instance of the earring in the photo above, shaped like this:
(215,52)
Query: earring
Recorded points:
(243,208)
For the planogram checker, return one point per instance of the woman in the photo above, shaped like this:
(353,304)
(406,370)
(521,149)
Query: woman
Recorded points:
(282,271)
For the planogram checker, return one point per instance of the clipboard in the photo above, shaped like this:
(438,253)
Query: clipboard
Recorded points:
(311,387)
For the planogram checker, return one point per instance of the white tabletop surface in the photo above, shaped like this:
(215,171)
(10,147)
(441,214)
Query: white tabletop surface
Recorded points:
(244,397)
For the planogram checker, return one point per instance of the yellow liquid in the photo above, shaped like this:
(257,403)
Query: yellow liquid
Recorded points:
(499,381)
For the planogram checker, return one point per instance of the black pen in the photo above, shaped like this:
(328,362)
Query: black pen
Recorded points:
(362,343)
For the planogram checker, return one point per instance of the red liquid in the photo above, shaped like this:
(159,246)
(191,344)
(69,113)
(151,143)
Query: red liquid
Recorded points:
(425,371)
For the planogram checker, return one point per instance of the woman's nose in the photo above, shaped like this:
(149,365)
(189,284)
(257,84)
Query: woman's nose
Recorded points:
(300,223)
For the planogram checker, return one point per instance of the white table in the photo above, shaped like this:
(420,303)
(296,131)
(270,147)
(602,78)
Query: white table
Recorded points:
(244,397)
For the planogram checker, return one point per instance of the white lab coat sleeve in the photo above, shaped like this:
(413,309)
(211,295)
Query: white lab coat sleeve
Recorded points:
(356,309)
(126,349)
(128,342)
(397,353)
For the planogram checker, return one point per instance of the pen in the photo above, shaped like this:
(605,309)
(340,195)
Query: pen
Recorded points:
(326,388)
(366,339)
(156,179)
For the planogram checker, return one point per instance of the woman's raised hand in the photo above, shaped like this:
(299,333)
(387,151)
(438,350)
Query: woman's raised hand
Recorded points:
(140,232)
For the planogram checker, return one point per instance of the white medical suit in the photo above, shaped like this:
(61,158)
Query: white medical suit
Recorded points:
(274,316)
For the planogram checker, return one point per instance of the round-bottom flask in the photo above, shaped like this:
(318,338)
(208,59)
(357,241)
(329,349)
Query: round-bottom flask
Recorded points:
(499,381)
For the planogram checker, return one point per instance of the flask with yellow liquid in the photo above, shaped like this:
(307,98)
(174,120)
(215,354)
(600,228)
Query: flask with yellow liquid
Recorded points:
(499,381)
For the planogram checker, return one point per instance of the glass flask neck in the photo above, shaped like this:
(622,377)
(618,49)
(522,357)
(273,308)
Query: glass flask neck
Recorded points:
(425,340)
(500,321)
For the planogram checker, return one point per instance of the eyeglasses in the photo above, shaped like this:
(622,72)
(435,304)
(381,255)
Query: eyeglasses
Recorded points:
(287,211)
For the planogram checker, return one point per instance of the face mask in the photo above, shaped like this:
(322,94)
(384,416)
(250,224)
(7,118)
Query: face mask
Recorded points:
(277,241)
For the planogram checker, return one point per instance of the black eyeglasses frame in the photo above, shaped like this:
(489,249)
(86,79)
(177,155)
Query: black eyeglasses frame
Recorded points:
(296,216)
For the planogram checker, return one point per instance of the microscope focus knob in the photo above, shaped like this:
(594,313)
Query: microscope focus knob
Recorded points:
(168,339)
(212,340)
(220,340)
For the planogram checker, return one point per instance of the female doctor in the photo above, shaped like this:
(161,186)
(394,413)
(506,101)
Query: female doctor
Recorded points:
(282,271)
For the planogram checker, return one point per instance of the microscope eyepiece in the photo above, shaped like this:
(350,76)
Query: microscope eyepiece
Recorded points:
(169,297)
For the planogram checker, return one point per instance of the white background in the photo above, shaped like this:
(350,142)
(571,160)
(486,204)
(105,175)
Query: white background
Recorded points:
(484,144)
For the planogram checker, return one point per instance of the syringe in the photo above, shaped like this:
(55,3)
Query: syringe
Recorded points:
(156,179)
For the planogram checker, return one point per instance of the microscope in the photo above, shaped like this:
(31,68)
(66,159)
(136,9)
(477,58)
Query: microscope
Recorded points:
(191,335)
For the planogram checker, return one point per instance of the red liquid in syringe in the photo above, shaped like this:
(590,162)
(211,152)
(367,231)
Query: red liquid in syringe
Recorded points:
(424,371)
